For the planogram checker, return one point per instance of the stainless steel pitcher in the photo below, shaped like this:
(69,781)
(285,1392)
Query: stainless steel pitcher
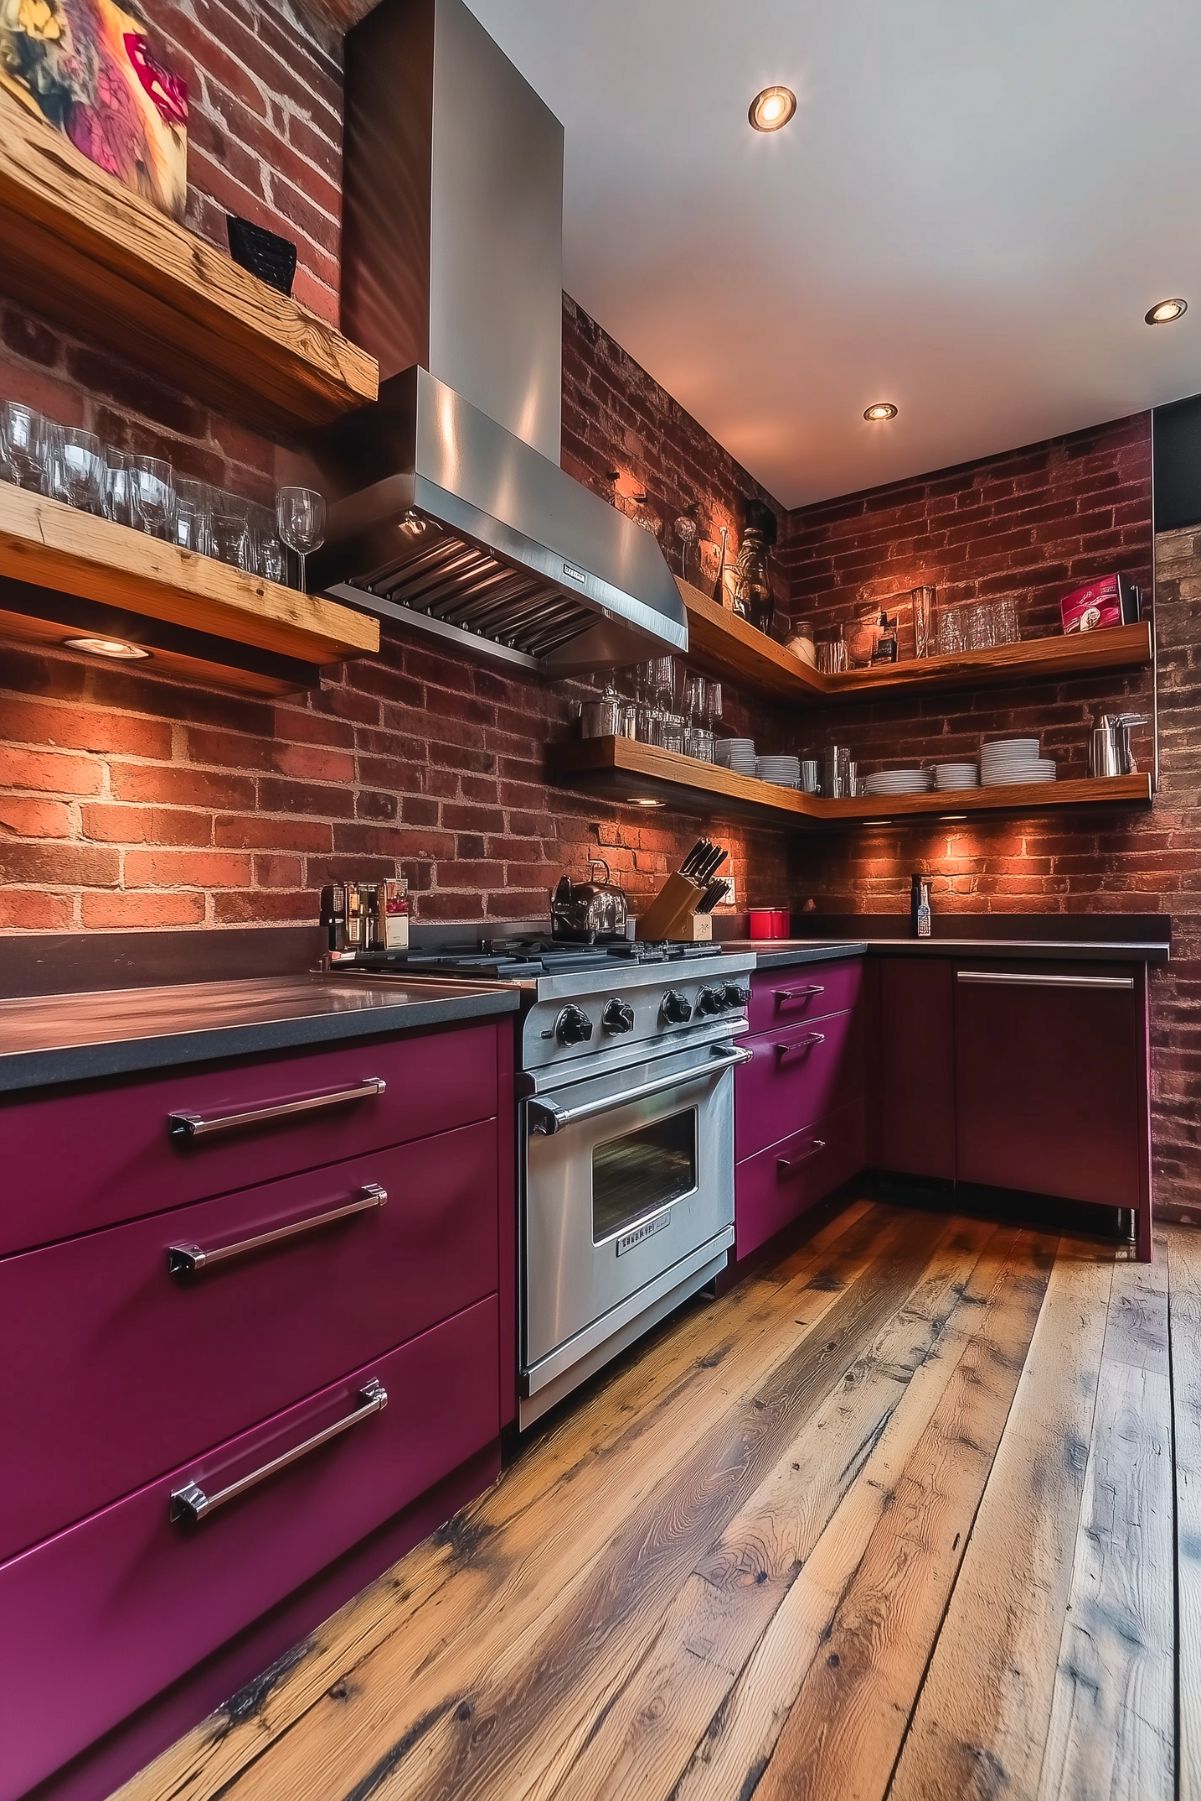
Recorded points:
(1109,751)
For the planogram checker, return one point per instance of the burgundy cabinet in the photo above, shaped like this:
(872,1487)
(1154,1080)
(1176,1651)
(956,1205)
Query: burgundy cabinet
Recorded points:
(912,1126)
(1051,1081)
(781,1183)
(104,1616)
(797,1074)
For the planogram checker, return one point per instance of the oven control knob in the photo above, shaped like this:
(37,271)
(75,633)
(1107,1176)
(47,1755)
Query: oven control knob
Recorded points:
(677,1008)
(618,1016)
(711,1000)
(573,1026)
(737,994)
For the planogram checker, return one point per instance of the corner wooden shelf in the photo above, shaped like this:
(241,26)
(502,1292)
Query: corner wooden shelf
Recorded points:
(626,770)
(52,557)
(77,245)
(727,646)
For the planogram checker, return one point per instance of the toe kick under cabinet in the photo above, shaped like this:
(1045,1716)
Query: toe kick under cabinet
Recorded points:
(799,1123)
(237,1338)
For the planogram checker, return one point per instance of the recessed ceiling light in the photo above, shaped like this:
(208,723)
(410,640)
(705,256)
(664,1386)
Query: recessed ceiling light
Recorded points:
(881,409)
(640,800)
(950,816)
(1164,311)
(877,822)
(772,108)
(116,648)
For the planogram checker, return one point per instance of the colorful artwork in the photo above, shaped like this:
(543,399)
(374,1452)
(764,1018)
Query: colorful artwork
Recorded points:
(87,68)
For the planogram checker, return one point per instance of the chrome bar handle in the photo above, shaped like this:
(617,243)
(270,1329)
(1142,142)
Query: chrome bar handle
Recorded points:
(1029,980)
(786,1165)
(547,1117)
(200,1125)
(801,1044)
(193,1503)
(190,1259)
(796,994)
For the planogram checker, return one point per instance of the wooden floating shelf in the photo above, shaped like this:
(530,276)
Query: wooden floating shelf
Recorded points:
(52,557)
(727,646)
(627,770)
(79,246)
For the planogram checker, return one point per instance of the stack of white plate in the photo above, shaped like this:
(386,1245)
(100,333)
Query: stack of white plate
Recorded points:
(900,781)
(785,772)
(956,775)
(1010,762)
(737,754)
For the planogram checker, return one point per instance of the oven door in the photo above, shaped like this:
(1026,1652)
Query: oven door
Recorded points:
(629,1185)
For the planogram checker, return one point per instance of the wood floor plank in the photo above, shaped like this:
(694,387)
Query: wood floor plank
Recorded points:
(980,1724)
(653,1400)
(1182,1247)
(522,1720)
(646,1728)
(522,1561)
(1112,1720)
(737,1747)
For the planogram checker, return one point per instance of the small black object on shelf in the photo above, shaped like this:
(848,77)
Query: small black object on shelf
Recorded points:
(263,252)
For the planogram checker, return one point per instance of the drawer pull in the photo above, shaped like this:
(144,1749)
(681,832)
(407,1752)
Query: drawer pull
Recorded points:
(192,1503)
(801,1044)
(200,1125)
(190,1259)
(786,1165)
(796,994)
(1028,980)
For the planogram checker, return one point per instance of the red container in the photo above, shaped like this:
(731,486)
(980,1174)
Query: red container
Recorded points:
(769,922)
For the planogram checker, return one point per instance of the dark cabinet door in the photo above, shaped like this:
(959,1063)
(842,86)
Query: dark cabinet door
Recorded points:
(1051,1080)
(912,1108)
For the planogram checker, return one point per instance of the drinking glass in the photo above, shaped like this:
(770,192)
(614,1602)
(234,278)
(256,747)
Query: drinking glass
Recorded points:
(24,444)
(713,705)
(300,516)
(119,504)
(698,743)
(79,469)
(193,516)
(978,625)
(832,655)
(923,622)
(672,732)
(231,530)
(809,783)
(949,633)
(1005,627)
(695,699)
(154,495)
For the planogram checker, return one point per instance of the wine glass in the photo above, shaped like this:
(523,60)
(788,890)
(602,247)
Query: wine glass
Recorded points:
(24,440)
(713,705)
(79,474)
(300,516)
(154,495)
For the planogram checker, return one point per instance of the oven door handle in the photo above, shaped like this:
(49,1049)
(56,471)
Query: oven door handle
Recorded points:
(546,1117)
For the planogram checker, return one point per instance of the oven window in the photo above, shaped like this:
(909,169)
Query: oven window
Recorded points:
(642,1171)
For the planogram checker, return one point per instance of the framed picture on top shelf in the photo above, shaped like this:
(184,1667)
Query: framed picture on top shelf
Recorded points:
(87,68)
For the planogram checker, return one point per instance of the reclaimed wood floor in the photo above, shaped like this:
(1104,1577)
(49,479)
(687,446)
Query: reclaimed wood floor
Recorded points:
(915,1512)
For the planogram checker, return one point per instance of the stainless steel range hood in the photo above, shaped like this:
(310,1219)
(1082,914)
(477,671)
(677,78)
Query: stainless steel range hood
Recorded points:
(448,506)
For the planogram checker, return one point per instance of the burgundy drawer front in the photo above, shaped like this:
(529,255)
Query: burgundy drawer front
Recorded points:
(796,1075)
(142,1368)
(786,997)
(780,1184)
(102,1154)
(1050,1067)
(107,1614)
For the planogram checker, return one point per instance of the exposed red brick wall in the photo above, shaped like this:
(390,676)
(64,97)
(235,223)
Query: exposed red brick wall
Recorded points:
(1034,522)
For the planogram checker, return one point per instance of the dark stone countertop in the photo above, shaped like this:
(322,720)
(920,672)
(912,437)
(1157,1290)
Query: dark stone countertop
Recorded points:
(781,953)
(84,1037)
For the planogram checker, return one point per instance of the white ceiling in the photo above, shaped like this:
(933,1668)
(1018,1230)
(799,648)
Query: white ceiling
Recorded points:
(975,205)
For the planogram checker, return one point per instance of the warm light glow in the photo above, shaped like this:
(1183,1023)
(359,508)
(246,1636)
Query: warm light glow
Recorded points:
(877,822)
(881,409)
(1164,311)
(952,815)
(107,647)
(639,800)
(772,108)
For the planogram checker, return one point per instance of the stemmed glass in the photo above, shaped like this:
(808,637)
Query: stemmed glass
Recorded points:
(300,515)
(24,444)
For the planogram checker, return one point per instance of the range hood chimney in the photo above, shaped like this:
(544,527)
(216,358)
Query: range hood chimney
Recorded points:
(449,508)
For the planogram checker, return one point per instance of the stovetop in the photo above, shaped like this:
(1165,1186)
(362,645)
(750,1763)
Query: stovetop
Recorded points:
(520,959)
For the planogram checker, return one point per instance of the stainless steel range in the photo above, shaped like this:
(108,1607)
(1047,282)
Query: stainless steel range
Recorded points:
(626,1056)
